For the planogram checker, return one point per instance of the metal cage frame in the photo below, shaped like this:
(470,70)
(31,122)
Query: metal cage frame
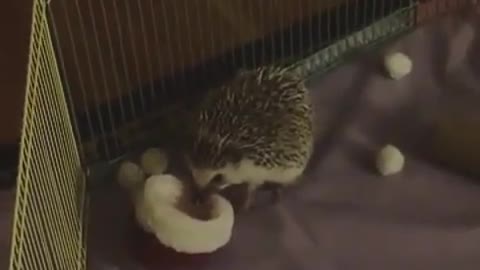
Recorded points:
(49,222)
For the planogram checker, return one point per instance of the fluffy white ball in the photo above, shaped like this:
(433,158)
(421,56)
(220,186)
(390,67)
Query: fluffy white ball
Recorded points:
(397,65)
(154,161)
(130,175)
(390,160)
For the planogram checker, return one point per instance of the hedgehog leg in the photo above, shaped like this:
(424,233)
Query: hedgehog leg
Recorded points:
(250,197)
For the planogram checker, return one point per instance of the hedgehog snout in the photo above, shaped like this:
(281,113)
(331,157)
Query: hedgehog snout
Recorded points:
(207,182)
(201,178)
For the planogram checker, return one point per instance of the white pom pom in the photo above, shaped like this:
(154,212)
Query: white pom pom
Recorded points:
(390,160)
(130,175)
(154,161)
(397,65)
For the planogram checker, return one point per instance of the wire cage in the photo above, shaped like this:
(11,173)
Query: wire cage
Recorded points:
(101,74)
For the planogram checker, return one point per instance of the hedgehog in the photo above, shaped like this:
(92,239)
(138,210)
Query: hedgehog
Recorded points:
(254,130)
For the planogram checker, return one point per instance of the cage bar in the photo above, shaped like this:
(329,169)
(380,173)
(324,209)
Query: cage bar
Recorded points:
(48,231)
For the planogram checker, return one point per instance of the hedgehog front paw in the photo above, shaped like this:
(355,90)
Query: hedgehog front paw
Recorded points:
(249,201)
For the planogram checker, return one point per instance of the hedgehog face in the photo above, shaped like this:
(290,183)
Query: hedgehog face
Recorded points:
(208,180)
(209,161)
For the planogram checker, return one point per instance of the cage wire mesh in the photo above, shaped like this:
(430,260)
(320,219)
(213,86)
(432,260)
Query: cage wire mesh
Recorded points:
(125,63)
(48,230)
(116,67)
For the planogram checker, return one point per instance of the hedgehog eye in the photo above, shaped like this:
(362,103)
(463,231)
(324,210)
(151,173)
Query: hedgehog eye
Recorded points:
(218,179)
(236,156)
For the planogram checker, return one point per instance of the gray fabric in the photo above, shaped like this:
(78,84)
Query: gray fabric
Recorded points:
(345,216)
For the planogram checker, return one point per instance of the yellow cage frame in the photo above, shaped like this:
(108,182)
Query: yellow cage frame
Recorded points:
(49,165)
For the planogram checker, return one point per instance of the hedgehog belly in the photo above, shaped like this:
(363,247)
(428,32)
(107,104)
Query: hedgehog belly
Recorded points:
(247,170)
